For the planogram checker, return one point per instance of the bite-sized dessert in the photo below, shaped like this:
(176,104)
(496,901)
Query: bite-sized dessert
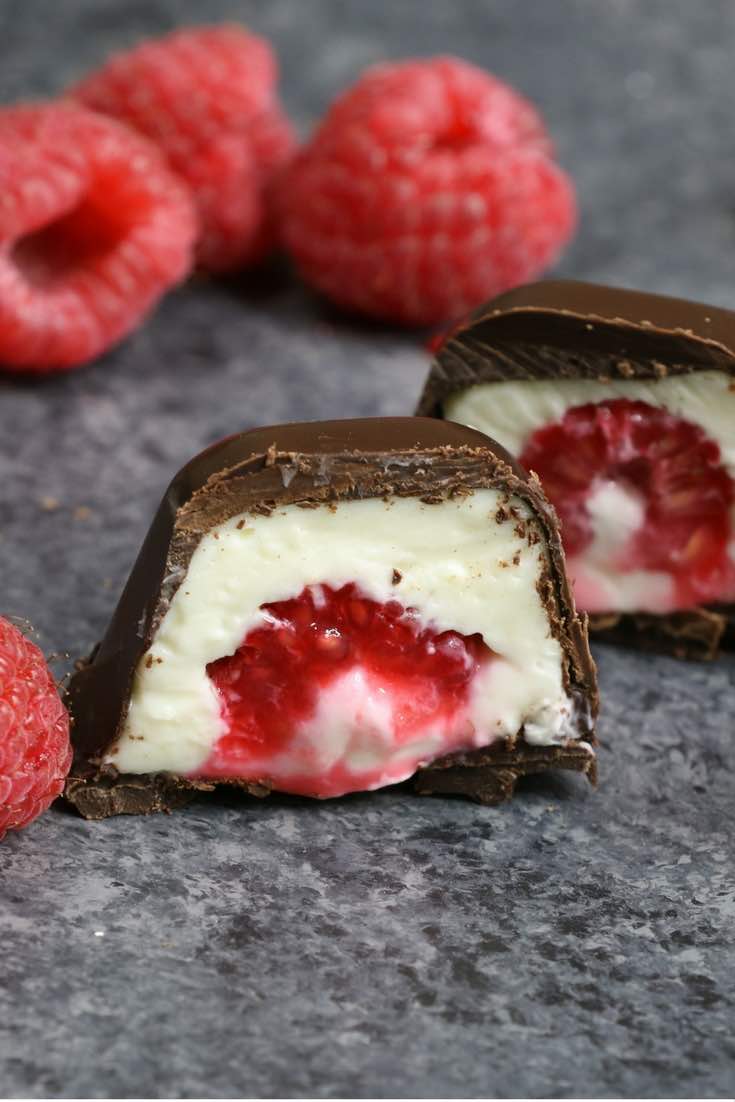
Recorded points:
(333,607)
(623,403)
(35,752)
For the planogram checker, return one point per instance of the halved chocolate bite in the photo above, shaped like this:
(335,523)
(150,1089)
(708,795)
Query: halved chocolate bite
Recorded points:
(623,403)
(333,607)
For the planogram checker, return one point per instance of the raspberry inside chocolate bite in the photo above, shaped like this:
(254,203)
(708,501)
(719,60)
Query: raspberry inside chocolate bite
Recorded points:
(334,685)
(623,404)
(339,607)
(638,489)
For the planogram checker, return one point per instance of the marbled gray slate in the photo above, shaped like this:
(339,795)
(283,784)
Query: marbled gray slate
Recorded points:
(569,944)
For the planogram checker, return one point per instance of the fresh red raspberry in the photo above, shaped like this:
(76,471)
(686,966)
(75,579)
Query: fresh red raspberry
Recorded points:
(93,229)
(207,96)
(673,467)
(35,751)
(428,188)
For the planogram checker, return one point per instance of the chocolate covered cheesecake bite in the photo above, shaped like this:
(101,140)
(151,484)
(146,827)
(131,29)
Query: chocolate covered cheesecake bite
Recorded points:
(623,403)
(328,608)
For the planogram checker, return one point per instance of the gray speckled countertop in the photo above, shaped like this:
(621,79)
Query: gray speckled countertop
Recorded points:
(572,943)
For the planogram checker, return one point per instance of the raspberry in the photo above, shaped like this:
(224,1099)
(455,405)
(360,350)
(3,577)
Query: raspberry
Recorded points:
(428,188)
(669,464)
(206,95)
(273,683)
(93,229)
(35,751)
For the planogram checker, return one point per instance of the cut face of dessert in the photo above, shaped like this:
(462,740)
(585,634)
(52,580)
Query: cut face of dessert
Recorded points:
(624,405)
(330,608)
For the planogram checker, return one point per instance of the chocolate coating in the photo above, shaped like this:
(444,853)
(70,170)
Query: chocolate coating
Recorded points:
(568,330)
(258,471)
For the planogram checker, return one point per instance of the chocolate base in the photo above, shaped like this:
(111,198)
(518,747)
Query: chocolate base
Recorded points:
(109,793)
(487,776)
(490,776)
(698,634)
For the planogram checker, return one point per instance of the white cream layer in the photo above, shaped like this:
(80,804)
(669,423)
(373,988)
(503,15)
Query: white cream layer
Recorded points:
(457,569)
(511,412)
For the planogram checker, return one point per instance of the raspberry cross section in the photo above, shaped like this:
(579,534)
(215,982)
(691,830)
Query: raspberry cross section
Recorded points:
(642,489)
(336,692)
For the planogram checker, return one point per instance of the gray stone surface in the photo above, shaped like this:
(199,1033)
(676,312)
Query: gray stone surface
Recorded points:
(570,944)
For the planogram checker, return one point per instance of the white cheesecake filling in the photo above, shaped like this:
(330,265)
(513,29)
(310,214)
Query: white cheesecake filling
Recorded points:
(616,513)
(512,412)
(460,569)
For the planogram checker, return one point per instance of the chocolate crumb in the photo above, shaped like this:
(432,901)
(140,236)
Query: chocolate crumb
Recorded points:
(396,577)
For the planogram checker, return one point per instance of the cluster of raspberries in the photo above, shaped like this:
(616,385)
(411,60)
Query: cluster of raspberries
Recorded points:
(428,187)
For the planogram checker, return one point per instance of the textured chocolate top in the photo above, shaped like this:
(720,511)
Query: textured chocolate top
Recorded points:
(559,329)
(306,465)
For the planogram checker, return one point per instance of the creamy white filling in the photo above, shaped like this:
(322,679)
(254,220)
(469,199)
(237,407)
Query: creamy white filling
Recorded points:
(459,568)
(511,412)
(353,730)
(616,514)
